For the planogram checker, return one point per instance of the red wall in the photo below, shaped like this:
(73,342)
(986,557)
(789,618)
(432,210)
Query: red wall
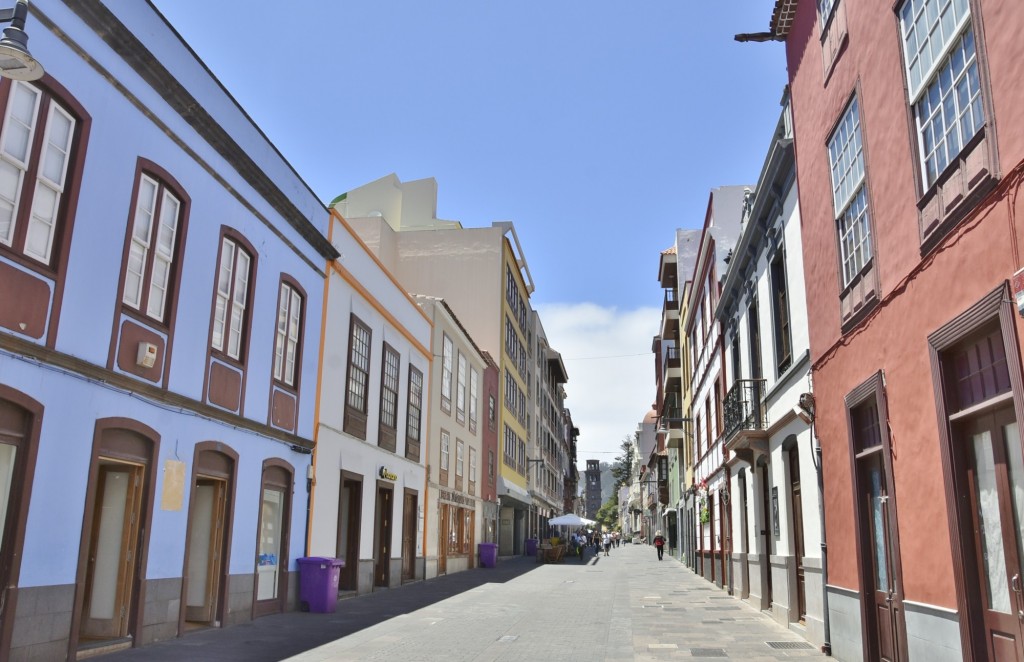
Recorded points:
(917,295)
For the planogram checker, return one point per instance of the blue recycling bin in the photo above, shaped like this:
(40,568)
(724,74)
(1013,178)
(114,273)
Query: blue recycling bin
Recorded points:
(318,583)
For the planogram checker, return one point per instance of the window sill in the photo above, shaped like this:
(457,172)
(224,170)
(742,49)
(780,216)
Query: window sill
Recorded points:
(859,297)
(960,186)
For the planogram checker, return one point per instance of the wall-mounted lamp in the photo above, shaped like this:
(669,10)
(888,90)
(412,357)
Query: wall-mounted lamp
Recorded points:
(15,61)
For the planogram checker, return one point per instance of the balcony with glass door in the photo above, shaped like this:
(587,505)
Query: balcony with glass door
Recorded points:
(746,416)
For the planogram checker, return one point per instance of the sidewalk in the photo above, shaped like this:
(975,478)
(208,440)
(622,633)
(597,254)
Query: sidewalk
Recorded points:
(626,606)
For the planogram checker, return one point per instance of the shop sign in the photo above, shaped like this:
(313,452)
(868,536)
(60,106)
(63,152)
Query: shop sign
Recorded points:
(386,474)
(455,497)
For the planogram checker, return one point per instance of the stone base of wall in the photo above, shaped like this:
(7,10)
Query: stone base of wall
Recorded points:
(160,615)
(42,622)
(240,596)
(845,624)
(933,633)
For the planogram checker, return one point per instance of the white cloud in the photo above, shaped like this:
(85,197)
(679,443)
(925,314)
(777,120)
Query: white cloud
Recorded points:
(607,353)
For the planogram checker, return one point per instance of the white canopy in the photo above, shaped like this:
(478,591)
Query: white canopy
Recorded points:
(570,519)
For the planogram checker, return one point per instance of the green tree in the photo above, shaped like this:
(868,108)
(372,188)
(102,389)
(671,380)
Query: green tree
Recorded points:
(622,468)
(608,514)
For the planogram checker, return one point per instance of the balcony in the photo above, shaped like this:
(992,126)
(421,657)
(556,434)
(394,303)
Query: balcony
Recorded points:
(746,417)
(670,316)
(672,369)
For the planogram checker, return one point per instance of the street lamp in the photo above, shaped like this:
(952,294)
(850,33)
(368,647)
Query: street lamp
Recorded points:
(16,62)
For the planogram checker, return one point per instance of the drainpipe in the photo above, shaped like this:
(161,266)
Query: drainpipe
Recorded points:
(826,647)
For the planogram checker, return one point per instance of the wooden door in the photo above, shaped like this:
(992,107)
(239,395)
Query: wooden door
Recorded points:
(349,520)
(205,549)
(766,534)
(14,426)
(113,546)
(996,482)
(382,537)
(442,540)
(409,516)
(797,515)
(885,628)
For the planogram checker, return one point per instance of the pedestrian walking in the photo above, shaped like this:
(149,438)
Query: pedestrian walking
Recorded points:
(607,543)
(659,544)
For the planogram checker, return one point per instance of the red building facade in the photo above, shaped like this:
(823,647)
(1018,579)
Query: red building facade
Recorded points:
(909,134)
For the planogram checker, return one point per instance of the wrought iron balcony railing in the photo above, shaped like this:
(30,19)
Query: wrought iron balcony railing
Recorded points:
(744,407)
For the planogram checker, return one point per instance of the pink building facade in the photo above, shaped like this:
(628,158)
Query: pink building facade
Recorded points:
(910,152)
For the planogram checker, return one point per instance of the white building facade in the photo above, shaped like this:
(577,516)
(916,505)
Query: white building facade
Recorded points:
(370,476)
(457,457)
(704,338)
(774,479)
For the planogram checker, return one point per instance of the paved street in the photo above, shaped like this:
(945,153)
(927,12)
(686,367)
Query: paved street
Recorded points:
(627,606)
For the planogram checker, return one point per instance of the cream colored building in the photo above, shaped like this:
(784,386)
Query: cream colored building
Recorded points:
(483,274)
(457,459)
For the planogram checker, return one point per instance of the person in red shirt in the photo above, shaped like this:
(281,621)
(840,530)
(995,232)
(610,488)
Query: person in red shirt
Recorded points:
(659,544)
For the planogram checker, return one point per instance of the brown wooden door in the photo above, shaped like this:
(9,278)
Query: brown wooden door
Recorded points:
(113,545)
(885,630)
(796,503)
(766,533)
(14,426)
(409,514)
(382,537)
(349,520)
(442,540)
(995,477)
(205,549)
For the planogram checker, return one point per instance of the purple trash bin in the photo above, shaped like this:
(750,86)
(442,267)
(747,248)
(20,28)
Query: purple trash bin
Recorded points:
(488,554)
(318,583)
(531,546)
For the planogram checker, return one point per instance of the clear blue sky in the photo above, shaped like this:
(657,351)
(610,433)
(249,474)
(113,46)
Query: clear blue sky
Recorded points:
(597,127)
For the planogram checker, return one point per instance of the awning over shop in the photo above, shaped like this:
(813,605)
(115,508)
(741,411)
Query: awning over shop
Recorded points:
(510,492)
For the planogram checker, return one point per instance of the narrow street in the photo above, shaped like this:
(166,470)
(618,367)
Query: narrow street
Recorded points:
(626,606)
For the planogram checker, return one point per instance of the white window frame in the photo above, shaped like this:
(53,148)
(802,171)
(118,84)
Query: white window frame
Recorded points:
(51,176)
(849,193)
(940,67)
(232,294)
(460,457)
(474,397)
(460,392)
(286,343)
(447,349)
(446,440)
(154,229)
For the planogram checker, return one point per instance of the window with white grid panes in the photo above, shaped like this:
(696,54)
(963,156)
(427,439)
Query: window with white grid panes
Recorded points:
(460,391)
(152,251)
(849,193)
(825,10)
(474,397)
(36,144)
(447,350)
(229,315)
(286,342)
(941,65)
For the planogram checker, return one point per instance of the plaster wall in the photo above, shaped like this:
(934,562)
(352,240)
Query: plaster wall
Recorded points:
(918,295)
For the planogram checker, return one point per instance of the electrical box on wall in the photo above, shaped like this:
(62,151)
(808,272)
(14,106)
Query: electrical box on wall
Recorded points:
(147,355)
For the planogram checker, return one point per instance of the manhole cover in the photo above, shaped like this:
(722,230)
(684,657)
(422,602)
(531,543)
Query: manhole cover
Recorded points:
(789,645)
(708,652)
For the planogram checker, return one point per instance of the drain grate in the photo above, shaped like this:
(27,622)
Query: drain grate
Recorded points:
(708,652)
(789,645)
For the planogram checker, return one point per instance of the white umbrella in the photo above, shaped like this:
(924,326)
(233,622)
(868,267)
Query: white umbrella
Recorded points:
(570,519)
